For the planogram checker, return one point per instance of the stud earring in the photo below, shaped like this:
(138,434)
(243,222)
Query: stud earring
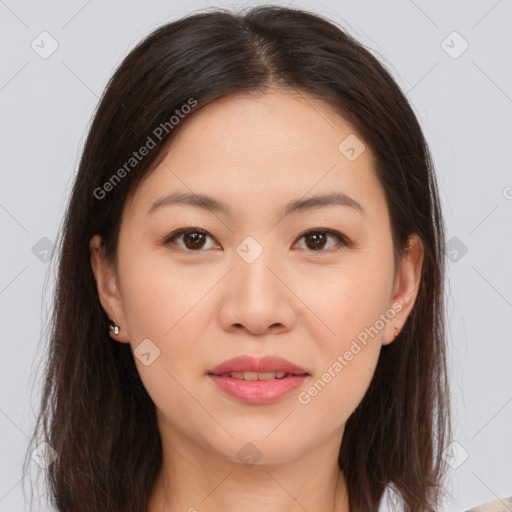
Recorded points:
(114,328)
(397,331)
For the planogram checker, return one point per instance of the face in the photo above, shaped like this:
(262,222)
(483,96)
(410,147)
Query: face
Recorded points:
(314,284)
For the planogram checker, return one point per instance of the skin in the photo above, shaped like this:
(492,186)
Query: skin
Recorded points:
(201,307)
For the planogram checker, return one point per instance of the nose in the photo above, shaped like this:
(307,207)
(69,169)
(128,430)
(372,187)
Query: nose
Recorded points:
(257,298)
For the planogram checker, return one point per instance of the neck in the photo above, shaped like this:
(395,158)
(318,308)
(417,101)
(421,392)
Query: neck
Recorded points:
(194,479)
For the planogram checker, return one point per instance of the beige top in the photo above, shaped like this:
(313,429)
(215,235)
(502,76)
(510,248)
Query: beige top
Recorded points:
(500,505)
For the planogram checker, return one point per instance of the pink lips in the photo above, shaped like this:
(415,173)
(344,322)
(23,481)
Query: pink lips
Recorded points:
(258,391)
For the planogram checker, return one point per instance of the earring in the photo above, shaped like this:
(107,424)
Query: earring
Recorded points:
(114,328)
(397,330)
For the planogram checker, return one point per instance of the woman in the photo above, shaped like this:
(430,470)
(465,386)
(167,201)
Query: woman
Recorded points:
(249,308)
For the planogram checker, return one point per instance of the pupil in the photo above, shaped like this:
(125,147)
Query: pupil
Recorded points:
(195,238)
(318,238)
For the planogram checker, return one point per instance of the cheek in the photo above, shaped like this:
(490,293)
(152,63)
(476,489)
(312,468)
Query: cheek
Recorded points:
(160,298)
(169,307)
(326,405)
(352,307)
(348,299)
(341,381)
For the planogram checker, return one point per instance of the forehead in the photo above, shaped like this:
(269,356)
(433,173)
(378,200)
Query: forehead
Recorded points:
(259,148)
(289,121)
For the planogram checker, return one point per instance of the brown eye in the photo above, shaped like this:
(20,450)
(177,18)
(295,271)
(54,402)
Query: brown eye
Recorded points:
(194,240)
(191,240)
(316,240)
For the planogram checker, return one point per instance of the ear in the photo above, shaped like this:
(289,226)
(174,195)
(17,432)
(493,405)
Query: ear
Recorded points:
(405,289)
(108,289)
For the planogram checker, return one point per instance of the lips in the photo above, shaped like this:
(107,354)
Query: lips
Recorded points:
(255,375)
(250,368)
(257,381)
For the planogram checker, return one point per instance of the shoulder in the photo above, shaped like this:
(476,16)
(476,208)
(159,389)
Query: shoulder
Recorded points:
(499,505)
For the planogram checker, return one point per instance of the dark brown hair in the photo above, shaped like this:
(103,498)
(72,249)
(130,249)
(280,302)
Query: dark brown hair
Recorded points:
(95,411)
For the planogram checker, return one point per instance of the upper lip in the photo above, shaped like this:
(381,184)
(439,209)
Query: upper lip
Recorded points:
(253,364)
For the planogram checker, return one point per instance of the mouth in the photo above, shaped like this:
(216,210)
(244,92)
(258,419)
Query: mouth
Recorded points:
(257,381)
(252,376)
(252,368)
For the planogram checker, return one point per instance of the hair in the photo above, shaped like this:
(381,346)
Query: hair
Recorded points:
(94,411)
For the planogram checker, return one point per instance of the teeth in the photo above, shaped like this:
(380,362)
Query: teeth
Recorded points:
(266,375)
(255,375)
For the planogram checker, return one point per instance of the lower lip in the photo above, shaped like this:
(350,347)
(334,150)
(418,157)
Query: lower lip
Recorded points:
(258,391)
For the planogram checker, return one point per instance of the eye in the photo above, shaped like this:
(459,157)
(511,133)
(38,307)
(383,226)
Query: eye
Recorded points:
(193,239)
(316,239)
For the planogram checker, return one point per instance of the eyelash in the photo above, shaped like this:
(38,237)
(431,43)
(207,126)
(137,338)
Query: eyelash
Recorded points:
(342,240)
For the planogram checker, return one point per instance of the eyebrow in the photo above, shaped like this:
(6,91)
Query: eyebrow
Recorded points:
(298,205)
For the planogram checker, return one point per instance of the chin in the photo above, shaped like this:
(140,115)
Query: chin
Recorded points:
(255,447)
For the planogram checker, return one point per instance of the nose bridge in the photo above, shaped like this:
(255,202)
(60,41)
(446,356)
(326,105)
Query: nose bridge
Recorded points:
(251,266)
(255,297)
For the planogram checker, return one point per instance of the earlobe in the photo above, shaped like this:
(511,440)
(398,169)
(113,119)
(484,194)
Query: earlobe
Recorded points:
(108,292)
(406,286)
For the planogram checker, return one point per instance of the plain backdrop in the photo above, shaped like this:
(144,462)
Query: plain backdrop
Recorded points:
(452,59)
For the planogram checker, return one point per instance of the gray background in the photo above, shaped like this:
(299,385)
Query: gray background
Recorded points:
(462,98)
